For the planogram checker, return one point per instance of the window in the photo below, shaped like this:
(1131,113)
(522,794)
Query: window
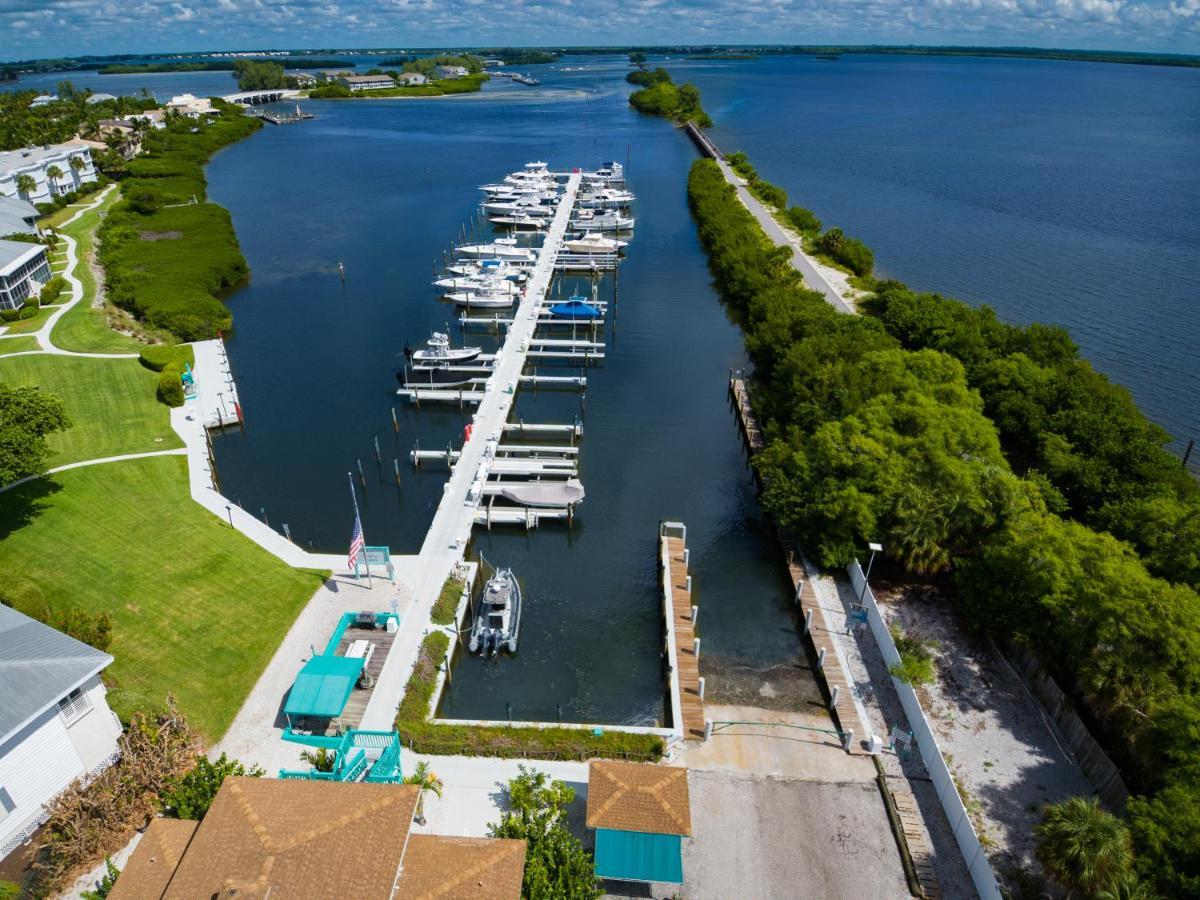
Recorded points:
(74,705)
(6,804)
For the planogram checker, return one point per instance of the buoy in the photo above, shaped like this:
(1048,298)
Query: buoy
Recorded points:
(467,432)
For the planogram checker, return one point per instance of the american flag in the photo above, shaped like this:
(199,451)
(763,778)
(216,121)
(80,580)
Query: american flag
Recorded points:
(357,544)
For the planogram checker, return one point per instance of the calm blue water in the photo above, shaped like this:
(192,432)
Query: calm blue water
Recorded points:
(385,186)
(1055,191)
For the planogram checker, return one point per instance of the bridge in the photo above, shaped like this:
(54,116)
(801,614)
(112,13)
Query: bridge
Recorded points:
(267,95)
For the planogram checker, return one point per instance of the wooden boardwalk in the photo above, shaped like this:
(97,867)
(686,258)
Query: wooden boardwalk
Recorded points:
(740,397)
(687,661)
(356,705)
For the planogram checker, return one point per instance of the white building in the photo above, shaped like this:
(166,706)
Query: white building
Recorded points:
(55,724)
(367,82)
(24,268)
(192,106)
(36,162)
(17,216)
(446,72)
(43,100)
(407,79)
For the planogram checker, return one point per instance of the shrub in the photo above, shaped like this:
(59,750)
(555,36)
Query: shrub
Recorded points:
(916,660)
(803,220)
(769,193)
(28,311)
(170,386)
(446,605)
(52,289)
(94,629)
(190,795)
(9,315)
(850,252)
(158,356)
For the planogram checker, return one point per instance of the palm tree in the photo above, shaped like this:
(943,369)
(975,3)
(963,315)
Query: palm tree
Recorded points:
(1082,847)
(54,173)
(322,759)
(1127,887)
(424,778)
(26,184)
(76,165)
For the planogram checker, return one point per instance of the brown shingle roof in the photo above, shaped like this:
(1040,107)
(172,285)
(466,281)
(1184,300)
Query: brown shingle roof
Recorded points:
(638,797)
(462,868)
(297,839)
(154,859)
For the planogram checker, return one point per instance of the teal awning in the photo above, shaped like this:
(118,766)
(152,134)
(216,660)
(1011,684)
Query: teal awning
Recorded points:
(639,856)
(323,686)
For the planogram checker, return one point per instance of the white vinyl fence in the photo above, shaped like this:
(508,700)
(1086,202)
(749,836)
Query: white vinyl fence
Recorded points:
(939,773)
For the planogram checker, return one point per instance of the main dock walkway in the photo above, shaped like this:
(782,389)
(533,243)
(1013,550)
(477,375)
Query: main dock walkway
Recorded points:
(450,530)
(683,649)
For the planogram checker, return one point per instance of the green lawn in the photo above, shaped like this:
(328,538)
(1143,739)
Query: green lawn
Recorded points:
(18,345)
(28,326)
(198,609)
(112,403)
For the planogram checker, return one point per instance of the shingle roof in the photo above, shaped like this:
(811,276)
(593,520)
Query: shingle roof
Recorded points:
(38,665)
(638,797)
(461,868)
(297,839)
(154,861)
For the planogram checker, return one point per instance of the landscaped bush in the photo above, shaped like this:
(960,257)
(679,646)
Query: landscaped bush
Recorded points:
(8,316)
(52,289)
(28,311)
(423,736)
(190,794)
(446,605)
(157,357)
(803,220)
(170,385)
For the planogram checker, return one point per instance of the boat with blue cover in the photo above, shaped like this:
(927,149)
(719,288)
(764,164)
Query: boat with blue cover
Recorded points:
(576,308)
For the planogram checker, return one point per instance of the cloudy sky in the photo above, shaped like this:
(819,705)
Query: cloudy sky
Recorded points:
(36,28)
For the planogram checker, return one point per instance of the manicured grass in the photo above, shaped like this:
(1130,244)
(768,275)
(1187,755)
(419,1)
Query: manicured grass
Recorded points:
(18,345)
(111,402)
(84,328)
(28,326)
(198,610)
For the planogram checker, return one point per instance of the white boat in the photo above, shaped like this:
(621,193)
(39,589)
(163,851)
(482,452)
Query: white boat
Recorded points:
(438,350)
(590,220)
(498,619)
(483,299)
(511,191)
(538,168)
(592,244)
(606,198)
(539,493)
(518,207)
(522,222)
(608,173)
(507,269)
(477,284)
(501,248)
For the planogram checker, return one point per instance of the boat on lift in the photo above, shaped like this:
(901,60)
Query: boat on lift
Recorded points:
(577,307)
(592,244)
(508,269)
(438,350)
(522,222)
(501,248)
(520,206)
(498,619)
(442,374)
(484,299)
(606,198)
(608,173)
(610,221)
(540,493)
(477,284)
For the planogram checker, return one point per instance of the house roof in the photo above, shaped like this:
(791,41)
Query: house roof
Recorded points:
(643,797)
(38,665)
(365,79)
(297,839)
(31,157)
(158,854)
(461,868)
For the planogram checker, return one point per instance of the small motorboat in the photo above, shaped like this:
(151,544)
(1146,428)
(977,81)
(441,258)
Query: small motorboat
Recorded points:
(498,619)
(519,221)
(588,220)
(540,493)
(606,198)
(608,173)
(576,308)
(483,299)
(501,248)
(481,283)
(441,375)
(438,350)
(506,269)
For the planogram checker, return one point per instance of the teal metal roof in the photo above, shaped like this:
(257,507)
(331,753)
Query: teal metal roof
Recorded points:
(323,686)
(639,856)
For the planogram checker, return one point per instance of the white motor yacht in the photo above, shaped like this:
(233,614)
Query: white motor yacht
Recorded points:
(606,198)
(438,350)
(499,299)
(501,248)
(590,220)
(592,245)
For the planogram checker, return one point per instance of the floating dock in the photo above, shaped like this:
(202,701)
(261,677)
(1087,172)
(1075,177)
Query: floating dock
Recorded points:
(217,402)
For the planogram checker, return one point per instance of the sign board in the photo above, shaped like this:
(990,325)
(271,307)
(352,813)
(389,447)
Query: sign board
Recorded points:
(374,556)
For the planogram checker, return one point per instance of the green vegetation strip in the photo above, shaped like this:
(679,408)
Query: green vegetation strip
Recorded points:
(163,262)
(198,610)
(423,736)
(446,605)
(110,401)
(988,452)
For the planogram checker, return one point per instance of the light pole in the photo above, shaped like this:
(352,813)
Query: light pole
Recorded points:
(229,512)
(875,548)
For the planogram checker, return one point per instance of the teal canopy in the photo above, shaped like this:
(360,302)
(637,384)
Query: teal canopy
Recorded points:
(639,856)
(323,686)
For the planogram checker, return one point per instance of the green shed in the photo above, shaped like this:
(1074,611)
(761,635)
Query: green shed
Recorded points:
(641,813)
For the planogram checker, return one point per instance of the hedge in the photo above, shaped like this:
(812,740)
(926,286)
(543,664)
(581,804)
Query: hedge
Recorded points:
(52,289)
(422,736)
(170,385)
(158,356)
(446,605)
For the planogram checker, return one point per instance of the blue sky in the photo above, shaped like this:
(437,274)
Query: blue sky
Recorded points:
(33,28)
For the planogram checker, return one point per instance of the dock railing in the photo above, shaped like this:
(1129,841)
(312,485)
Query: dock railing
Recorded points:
(666,530)
(931,754)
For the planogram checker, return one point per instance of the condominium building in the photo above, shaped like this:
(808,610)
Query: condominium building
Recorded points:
(24,268)
(51,167)
(367,82)
(446,72)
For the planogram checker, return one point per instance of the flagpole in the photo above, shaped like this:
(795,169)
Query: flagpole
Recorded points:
(358,519)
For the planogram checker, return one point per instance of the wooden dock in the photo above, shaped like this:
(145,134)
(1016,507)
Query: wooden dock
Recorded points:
(381,641)
(739,396)
(683,648)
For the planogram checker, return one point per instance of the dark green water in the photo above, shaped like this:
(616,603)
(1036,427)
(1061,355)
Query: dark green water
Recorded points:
(384,186)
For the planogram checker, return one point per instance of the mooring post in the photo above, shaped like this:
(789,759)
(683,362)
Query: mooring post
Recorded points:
(847,740)
(695,646)
(695,612)
(808,614)
(396,469)
(361,477)
(395,422)
(378,456)
(708,726)
(701,687)
(287,533)
(821,659)
(834,693)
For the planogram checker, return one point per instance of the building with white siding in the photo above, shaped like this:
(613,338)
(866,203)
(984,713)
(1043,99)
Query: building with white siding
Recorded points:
(367,82)
(55,724)
(24,268)
(449,72)
(38,163)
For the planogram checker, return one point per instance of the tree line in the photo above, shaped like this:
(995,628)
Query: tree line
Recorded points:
(891,427)
(660,96)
